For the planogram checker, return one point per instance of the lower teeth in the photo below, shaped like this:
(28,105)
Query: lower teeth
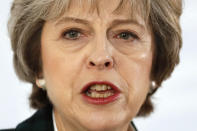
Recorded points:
(99,95)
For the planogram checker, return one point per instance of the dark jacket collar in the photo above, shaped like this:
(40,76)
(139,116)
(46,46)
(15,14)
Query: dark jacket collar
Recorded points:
(40,121)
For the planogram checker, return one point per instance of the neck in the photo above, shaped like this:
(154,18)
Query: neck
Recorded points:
(66,126)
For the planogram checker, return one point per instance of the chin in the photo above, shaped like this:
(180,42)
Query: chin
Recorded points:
(101,125)
(103,122)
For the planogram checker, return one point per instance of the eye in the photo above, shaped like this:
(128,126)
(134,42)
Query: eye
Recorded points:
(72,34)
(127,36)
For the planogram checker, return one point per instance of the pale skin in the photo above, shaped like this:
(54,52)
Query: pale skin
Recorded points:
(69,46)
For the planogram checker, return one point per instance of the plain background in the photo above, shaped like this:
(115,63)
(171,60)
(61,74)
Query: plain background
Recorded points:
(175,102)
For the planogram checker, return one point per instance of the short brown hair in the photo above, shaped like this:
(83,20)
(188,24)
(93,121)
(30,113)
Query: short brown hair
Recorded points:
(28,17)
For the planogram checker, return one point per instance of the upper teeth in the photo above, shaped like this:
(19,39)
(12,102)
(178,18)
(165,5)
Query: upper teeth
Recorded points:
(100,87)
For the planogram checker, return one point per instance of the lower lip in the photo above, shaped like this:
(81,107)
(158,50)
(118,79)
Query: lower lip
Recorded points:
(101,101)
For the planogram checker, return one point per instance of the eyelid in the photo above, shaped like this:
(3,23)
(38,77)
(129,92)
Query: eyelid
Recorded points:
(82,32)
(71,29)
(134,33)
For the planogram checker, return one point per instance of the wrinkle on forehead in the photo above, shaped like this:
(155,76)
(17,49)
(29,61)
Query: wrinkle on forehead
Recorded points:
(116,7)
(132,7)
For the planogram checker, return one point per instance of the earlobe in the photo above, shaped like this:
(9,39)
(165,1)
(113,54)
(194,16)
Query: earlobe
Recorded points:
(41,83)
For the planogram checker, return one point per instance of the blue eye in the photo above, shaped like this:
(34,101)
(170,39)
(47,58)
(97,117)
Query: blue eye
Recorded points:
(72,34)
(127,36)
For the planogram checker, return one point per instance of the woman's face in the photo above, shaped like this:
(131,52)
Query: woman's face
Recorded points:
(83,46)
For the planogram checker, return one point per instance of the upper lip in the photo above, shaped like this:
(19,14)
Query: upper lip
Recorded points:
(114,87)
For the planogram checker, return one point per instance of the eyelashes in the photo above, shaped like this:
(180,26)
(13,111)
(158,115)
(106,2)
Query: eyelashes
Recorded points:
(74,34)
(127,36)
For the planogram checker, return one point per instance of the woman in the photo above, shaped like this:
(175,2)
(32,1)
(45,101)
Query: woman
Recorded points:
(93,65)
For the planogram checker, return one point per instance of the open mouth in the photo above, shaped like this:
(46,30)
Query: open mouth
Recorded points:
(100,92)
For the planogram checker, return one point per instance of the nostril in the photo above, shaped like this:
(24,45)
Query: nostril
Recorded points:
(107,64)
(91,63)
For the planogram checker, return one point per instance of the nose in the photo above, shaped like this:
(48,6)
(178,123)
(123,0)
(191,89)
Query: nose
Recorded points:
(100,59)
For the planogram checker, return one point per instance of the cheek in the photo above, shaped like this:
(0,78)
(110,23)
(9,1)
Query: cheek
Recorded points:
(136,72)
(60,71)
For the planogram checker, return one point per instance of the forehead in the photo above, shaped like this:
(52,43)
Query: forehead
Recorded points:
(91,9)
(99,7)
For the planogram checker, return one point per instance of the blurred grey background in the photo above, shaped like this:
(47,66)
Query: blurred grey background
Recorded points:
(175,102)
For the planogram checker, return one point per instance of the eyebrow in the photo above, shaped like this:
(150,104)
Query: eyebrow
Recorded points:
(72,19)
(86,22)
(126,21)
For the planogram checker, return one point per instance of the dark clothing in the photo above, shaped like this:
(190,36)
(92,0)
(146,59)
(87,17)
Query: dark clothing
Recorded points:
(40,121)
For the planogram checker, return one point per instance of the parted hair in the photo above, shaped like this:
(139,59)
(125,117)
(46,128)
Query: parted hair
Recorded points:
(28,17)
